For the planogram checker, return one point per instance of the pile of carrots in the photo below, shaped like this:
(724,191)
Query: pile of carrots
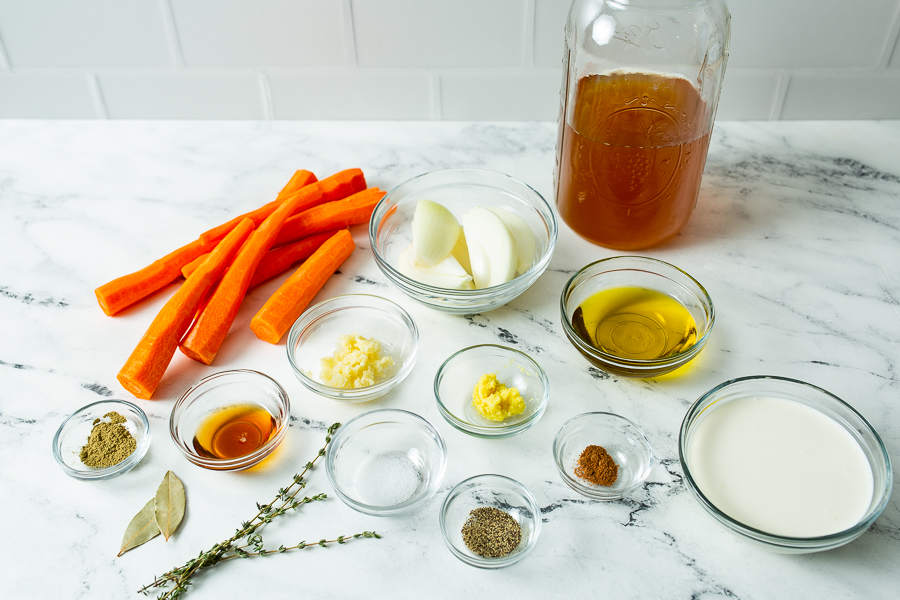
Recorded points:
(306,222)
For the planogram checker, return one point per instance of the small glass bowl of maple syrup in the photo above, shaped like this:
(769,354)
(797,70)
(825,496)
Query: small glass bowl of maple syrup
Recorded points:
(635,316)
(230,420)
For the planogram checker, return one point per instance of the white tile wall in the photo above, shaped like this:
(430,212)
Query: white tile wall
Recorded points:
(852,95)
(526,95)
(183,95)
(47,96)
(84,33)
(457,33)
(260,33)
(406,59)
(352,94)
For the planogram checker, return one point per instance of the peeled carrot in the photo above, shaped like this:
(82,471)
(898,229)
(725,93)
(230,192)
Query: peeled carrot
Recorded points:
(189,268)
(126,290)
(121,293)
(334,215)
(279,260)
(205,337)
(291,299)
(300,180)
(145,367)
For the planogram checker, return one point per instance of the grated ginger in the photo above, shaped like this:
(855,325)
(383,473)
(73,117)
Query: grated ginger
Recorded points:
(356,363)
(495,401)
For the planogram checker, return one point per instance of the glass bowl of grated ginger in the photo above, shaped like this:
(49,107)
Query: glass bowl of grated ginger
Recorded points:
(491,391)
(353,348)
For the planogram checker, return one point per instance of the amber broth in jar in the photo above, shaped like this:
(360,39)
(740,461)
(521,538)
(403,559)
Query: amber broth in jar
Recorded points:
(630,158)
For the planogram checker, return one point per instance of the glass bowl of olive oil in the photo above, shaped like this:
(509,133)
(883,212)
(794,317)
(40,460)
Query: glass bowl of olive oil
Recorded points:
(636,316)
(231,420)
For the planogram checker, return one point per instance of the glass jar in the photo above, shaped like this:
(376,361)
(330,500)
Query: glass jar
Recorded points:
(639,94)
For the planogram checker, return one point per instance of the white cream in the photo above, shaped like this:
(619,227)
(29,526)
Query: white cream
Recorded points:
(780,466)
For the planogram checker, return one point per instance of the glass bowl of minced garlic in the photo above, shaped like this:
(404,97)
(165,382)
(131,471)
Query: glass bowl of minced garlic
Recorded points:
(102,440)
(353,348)
(491,391)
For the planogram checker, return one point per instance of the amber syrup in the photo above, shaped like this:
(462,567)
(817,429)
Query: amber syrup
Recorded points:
(234,431)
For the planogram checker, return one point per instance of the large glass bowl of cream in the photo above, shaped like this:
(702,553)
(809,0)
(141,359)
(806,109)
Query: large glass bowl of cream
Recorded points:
(784,464)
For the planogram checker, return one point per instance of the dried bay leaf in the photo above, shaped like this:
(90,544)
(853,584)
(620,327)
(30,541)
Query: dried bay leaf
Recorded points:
(169,504)
(142,528)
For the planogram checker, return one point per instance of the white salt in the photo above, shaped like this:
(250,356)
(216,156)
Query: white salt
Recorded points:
(387,480)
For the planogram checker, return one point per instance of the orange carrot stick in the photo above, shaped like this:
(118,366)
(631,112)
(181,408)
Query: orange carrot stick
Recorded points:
(208,331)
(189,268)
(291,299)
(334,215)
(279,260)
(300,180)
(145,367)
(126,290)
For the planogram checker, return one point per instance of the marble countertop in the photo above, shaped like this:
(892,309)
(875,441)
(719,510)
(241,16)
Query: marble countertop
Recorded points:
(796,237)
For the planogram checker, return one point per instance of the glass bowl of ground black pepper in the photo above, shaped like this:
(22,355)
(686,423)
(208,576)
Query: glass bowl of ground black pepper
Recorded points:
(102,440)
(602,456)
(490,521)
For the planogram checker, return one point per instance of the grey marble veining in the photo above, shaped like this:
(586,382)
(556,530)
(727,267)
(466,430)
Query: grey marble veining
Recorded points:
(796,237)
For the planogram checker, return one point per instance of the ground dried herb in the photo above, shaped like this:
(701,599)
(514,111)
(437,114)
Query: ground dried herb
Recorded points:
(109,442)
(596,466)
(491,533)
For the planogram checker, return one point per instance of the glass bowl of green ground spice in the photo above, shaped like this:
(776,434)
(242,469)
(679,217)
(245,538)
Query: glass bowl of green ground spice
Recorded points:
(102,440)
(490,521)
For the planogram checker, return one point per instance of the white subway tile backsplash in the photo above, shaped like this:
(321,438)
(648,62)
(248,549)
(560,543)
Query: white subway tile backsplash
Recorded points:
(531,95)
(183,95)
(461,33)
(822,34)
(748,95)
(46,96)
(87,33)
(260,33)
(851,95)
(549,32)
(351,94)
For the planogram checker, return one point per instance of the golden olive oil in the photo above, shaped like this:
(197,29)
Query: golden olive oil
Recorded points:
(234,431)
(635,323)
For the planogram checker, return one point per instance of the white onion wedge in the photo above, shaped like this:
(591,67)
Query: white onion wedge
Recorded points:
(461,251)
(434,233)
(524,238)
(447,274)
(492,248)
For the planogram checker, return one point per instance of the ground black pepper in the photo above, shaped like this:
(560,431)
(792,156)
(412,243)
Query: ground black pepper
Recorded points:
(491,533)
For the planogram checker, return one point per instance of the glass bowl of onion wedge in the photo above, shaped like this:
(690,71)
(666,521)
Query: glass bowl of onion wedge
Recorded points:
(463,241)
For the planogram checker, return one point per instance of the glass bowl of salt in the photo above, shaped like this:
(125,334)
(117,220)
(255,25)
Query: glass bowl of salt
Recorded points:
(386,462)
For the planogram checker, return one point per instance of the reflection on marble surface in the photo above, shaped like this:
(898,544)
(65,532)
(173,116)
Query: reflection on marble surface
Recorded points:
(796,237)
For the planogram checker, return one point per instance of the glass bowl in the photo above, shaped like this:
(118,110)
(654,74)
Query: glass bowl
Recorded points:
(809,395)
(72,435)
(386,462)
(640,272)
(315,335)
(498,492)
(455,381)
(219,392)
(390,231)
(623,440)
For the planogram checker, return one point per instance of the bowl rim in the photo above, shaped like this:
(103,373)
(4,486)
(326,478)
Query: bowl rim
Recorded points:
(350,395)
(500,561)
(804,543)
(685,355)
(131,461)
(241,462)
(410,504)
(492,431)
(498,290)
(590,492)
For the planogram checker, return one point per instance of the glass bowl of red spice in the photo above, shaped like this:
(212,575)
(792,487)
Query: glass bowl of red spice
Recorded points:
(231,420)
(602,456)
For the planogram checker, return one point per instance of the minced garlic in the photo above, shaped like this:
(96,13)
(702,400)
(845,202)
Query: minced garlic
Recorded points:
(356,363)
(495,401)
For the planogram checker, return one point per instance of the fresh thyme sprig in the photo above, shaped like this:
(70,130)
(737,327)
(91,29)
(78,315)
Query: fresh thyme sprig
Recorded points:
(247,542)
